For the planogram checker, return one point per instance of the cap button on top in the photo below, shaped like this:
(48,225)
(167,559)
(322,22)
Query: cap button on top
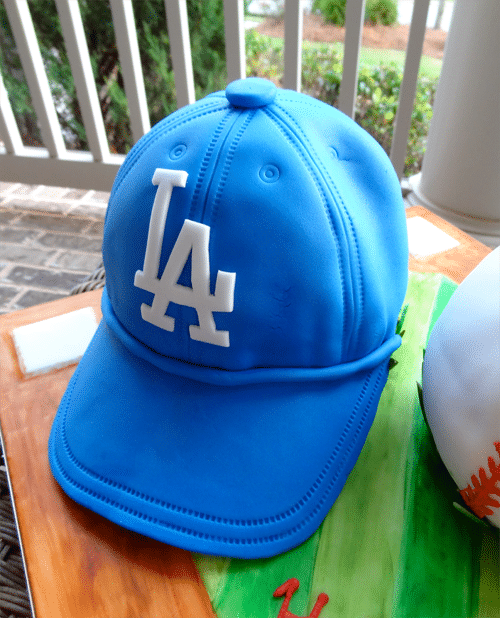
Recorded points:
(251,92)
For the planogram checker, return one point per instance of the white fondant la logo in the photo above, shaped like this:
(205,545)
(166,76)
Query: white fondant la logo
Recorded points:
(193,240)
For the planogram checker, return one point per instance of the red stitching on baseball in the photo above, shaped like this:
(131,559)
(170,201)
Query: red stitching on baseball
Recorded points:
(479,497)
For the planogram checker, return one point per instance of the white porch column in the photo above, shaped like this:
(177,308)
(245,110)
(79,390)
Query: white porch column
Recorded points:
(460,177)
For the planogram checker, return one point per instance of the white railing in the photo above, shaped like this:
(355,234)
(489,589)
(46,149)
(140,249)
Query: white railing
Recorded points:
(53,164)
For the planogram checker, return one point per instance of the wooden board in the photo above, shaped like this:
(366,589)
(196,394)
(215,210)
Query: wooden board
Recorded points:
(78,563)
(455,263)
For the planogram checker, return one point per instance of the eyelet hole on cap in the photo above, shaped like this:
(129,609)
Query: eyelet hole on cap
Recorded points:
(334,152)
(269,173)
(177,151)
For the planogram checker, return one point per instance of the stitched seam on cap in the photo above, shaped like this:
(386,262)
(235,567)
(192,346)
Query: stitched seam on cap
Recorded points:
(278,122)
(346,213)
(310,102)
(170,124)
(227,166)
(206,160)
(226,521)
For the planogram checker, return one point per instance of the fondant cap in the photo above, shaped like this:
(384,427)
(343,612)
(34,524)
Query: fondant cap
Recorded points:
(256,262)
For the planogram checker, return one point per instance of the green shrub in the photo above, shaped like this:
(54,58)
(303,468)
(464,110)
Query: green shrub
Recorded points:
(264,56)
(206,28)
(381,12)
(376,11)
(376,106)
(333,11)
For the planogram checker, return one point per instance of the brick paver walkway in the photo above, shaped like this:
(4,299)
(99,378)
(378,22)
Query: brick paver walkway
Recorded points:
(50,240)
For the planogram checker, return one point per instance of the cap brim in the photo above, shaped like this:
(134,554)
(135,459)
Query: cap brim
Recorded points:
(246,470)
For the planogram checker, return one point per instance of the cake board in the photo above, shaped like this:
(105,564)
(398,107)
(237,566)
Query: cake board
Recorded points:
(371,555)
(78,563)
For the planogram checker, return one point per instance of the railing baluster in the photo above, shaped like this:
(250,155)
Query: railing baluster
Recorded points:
(235,39)
(78,54)
(294,15)
(53,162)
(355,13)
(180,49)
(128,50)
(34,71)
(8,126)
(406,102)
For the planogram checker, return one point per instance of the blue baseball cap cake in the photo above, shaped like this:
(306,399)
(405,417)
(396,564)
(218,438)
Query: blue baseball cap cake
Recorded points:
(256,261)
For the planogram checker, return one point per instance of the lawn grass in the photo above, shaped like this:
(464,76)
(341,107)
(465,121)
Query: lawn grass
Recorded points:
(429,67)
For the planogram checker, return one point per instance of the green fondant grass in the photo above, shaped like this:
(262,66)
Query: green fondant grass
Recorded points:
(393,545)
(359,551)
(438,573)
(244,588)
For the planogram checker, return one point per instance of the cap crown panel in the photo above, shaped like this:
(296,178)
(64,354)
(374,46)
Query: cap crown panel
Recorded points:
(277,218)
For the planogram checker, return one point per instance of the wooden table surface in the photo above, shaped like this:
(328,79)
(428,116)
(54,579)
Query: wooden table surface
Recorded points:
(79,564)
(456,263)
